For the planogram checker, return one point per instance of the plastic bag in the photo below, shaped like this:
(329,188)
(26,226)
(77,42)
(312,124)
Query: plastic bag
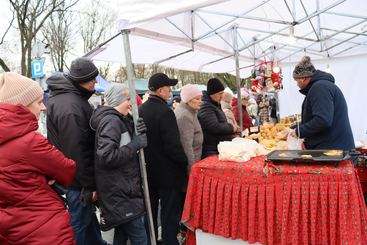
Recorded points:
(294,143)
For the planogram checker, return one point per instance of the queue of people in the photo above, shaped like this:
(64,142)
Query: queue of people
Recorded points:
(91,155)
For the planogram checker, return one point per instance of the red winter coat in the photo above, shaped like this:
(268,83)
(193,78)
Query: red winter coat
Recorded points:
(246,119)
(30,211)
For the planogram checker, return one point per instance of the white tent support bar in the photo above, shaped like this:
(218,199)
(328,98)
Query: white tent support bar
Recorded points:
(245,47)
(346,32)
(343,30)
(173,39)
(309,20)
(219,35)
(278,34)
(346,15)
(282,22)
(238,79)
(178,28)
(354,46)
(192,22)
(320,11)
(296,52)
(173,56)
(214,33)
(344,41)
(230,21)
(244,43)
(289,10)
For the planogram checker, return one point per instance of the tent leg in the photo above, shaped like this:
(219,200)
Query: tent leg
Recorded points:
(143,172)
(238,79)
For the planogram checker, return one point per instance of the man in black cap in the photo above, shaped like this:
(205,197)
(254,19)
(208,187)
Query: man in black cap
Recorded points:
(68,115)
(325,122)
(165,157)
(212,119)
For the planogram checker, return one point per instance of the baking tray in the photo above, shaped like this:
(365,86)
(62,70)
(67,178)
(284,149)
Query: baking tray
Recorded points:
(307,156)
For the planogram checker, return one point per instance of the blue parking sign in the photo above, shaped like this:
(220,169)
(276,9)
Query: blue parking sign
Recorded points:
(37,68)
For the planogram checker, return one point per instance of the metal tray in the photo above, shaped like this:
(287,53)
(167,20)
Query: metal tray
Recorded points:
(306,156)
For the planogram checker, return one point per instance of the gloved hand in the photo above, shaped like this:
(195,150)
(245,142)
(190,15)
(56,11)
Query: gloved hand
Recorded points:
(139,141)
(141,128)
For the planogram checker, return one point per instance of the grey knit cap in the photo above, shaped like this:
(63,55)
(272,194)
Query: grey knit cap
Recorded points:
(304,68)
(115,94)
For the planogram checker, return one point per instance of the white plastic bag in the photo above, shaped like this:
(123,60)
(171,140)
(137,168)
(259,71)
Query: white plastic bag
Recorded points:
(294,143)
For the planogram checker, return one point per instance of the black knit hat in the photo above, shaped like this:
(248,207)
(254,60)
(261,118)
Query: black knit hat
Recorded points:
(214,86)
(82,70)
(304,68)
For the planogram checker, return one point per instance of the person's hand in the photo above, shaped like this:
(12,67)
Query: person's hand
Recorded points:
(51,182)
(141,128)
(140,141)
(293,133)
(94,196)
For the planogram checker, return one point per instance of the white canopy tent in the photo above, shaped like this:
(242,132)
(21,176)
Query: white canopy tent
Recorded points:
(202,37)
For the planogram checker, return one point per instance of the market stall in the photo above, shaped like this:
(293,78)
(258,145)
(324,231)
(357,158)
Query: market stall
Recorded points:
(257,201)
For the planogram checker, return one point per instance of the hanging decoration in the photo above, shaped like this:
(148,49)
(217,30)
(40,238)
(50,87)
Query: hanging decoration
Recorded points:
(266,76)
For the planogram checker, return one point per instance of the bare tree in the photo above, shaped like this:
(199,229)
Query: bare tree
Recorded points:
(31,16)
(2,62)
(96,24)
(58,35)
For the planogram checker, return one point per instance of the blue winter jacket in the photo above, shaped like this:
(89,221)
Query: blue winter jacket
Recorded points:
(325,122)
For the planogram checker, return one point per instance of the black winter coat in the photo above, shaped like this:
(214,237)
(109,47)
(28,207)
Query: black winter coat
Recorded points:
(117,168)
(165,157)
(214,124)
(325,122)
(68,114)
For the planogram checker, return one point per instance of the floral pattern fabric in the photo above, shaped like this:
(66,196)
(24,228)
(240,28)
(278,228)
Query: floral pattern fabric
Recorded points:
(258,201)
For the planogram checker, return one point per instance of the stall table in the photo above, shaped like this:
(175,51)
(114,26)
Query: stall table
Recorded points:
(257,201)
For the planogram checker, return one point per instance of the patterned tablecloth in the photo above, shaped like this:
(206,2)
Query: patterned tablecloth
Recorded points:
(257,201)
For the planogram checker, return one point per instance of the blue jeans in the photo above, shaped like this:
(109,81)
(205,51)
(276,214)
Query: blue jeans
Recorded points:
(133,230)
(84,220)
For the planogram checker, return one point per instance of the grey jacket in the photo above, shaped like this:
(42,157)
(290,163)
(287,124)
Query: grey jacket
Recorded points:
(191,134)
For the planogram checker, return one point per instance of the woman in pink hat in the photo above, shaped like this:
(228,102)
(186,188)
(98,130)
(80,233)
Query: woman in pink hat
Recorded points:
(30,210)
(191,134)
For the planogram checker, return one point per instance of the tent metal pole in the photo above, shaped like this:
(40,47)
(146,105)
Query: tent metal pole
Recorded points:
(231,20)
(346,15)
(238,78)
(143,171)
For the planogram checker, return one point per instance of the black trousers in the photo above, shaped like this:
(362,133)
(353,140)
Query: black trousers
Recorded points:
(171,210)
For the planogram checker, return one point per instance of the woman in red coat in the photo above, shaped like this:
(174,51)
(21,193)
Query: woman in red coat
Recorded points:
(30,210)
(246,119)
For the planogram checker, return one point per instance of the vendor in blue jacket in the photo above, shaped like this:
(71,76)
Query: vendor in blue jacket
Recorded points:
(325,122)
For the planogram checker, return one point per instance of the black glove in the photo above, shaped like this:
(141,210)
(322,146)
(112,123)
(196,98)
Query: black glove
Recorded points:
(141,128)
(139,141)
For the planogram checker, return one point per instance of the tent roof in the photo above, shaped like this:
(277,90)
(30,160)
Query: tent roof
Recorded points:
(201,37)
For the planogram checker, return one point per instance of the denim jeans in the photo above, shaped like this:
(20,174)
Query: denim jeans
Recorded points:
(84,220)
(133,230)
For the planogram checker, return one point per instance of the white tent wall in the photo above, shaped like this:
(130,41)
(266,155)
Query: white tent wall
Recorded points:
(350,76)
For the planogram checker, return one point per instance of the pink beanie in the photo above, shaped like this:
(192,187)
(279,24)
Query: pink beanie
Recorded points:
(18,89)
(188,92)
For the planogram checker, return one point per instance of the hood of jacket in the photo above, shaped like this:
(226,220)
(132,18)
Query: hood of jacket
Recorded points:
(226,105)
(15,121)
(318,76)
(100,113)
(59,84)
(206,98)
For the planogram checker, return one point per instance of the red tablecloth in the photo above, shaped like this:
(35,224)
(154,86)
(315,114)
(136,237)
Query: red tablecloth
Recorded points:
(283,204)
